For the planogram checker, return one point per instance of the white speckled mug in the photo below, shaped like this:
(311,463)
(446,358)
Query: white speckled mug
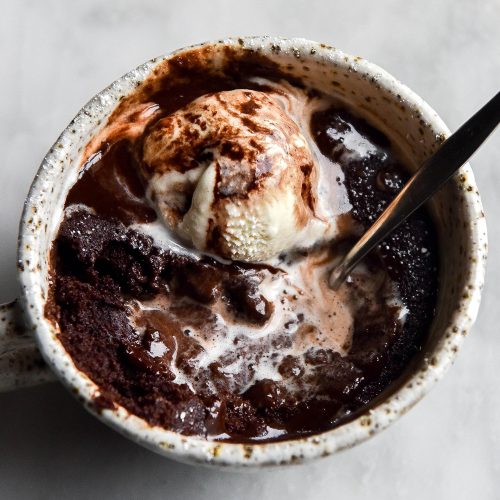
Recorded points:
(405,117)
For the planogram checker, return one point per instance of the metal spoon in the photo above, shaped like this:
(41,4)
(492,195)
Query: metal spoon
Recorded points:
(453,153)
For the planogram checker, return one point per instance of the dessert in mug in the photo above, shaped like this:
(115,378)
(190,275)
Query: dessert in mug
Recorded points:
(190,270)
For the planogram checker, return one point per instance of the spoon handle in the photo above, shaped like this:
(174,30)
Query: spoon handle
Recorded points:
(453,153)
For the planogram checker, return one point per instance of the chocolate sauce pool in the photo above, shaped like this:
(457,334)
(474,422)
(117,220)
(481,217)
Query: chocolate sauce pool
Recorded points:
(103,267)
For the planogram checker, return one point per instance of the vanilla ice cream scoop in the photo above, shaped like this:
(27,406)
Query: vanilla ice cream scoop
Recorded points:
(232,174)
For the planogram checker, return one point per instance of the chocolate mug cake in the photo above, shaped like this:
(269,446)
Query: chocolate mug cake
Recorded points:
(190,271)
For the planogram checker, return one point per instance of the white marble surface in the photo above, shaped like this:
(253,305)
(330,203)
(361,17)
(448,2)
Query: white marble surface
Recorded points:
(56,54)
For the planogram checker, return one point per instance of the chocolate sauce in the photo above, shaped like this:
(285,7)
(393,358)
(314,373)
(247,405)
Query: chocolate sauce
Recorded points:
(110,184)
(103,269)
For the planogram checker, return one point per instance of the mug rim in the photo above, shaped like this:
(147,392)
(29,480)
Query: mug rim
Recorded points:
(195,449)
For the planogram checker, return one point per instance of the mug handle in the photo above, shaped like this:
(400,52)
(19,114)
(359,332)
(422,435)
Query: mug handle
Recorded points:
(21,364)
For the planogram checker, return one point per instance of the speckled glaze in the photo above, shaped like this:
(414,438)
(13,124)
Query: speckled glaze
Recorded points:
(457,210)
(21,363)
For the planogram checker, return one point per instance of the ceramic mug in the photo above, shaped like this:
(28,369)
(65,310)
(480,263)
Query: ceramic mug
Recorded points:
(30,351)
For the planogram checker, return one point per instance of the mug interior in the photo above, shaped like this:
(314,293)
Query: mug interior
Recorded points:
(416,130)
